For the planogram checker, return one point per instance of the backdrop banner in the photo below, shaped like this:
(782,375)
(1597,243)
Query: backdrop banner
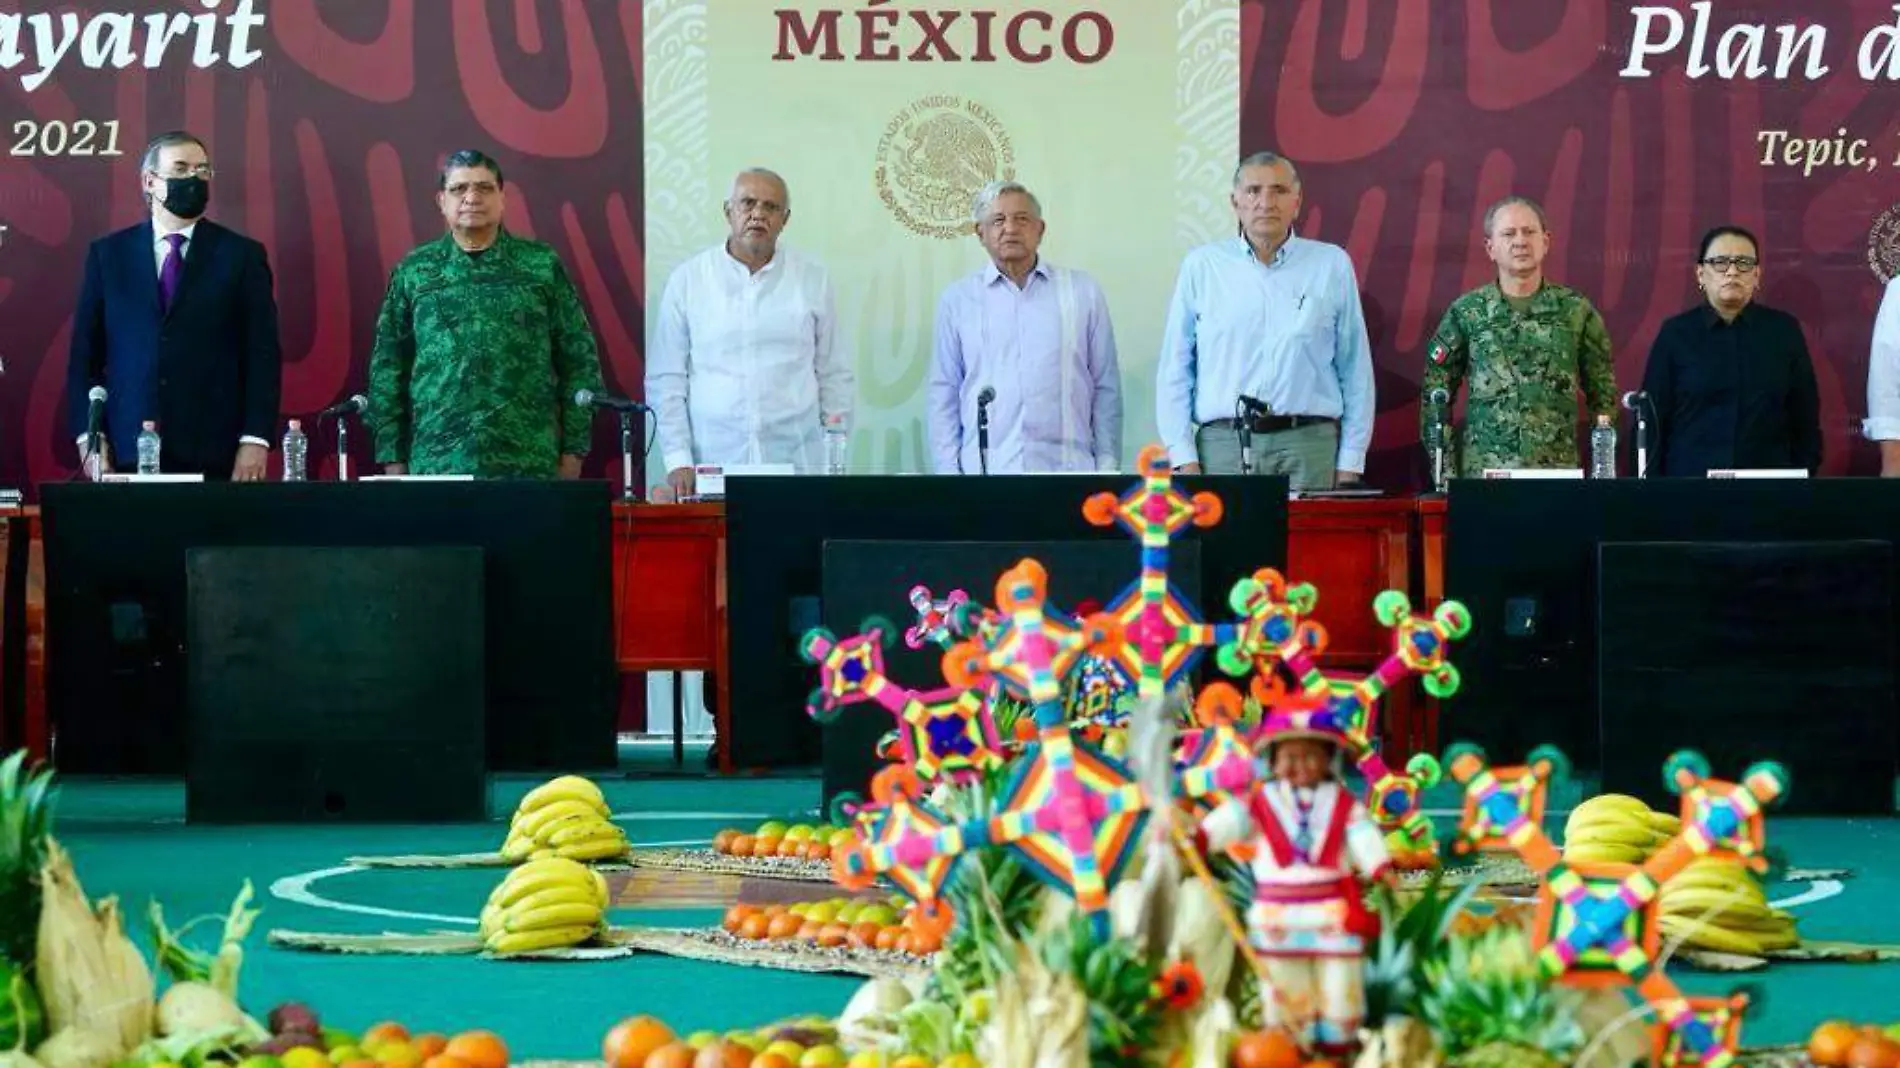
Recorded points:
(1121,117)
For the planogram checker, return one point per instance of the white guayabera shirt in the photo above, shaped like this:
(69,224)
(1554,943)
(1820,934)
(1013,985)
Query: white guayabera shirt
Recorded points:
(1883,371)
(747,368)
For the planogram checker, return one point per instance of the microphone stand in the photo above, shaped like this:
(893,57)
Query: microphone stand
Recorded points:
(1243,432)
(1642,440)
(342,448)
(626,456)
(983,437)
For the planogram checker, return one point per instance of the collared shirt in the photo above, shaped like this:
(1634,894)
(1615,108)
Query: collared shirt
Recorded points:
(1048,351)
(1732,394)
(1883,371)
(1290,333)
(162,247)
(746,368)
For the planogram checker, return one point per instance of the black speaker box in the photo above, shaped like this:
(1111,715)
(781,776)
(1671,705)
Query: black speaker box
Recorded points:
(330,684)
(1748,652)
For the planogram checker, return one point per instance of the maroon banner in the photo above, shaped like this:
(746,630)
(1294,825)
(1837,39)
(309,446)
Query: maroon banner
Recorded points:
(1637,126)
(326,123)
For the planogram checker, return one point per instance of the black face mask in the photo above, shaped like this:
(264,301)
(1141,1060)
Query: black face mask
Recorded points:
(186,197)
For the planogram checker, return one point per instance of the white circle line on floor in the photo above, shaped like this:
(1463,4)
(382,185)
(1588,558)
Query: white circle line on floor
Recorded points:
(1818,890)
(662,817)
(296,890)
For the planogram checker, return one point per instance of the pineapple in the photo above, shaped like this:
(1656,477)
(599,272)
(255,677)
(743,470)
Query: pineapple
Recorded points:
(25,820)
(1491,1008)
(1410,943)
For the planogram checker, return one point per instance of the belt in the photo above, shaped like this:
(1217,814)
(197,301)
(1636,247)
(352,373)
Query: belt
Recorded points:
(1269,424)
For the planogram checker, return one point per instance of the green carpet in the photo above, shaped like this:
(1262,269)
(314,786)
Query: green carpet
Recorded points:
(130,839)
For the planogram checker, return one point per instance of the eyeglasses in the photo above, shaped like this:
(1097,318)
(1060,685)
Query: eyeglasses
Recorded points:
(480,189)
(202,170)
(768,208)
(1721,264)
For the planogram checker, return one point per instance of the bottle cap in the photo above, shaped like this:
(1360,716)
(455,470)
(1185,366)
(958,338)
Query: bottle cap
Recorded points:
(1603,420)
(151,424)
(296,424)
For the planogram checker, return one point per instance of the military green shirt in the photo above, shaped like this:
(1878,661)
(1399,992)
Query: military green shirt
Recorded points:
(1521,369)
(476,362)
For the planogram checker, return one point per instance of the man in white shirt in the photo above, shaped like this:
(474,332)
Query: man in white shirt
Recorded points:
(1027,346)
(745,366)
(1883,383)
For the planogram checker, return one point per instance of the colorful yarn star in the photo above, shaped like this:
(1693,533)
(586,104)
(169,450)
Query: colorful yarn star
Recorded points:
(936,620)
(1596,923)
(946,733)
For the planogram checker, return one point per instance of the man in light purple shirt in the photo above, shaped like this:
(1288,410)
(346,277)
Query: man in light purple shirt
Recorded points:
(1027,346)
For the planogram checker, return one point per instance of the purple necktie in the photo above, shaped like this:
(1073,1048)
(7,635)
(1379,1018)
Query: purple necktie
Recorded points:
(173,270)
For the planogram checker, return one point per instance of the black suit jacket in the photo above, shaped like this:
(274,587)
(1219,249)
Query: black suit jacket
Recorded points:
(209,370)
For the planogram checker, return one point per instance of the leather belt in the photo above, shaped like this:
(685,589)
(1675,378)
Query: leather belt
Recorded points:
(1269,424)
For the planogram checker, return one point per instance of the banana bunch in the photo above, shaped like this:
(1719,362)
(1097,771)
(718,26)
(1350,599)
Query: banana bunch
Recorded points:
(1716,903)
(1617,829)
(564,817)
(545,904)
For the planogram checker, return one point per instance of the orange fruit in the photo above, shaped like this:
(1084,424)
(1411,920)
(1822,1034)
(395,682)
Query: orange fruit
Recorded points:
(722,842)
(784,925)
(479,1049)
(430,1043)
(764,847)
(834,934)
(735,916)
(671,1055)
(888,936)
(789,847)
(776,910)
(632,1041)
(1873,1051)
(443,1060)
(818,851)
(723,1055)
(1829,1044)
(924,943)
(387,1031)
(864,935)
(1265,1049)
(754,926)
(772,1060)
(740,845)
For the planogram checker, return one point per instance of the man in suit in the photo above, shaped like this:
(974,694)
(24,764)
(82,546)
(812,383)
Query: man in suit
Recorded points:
(177,320)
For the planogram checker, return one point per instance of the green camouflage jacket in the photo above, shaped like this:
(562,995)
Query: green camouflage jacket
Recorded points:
(476,362)
(1522,371)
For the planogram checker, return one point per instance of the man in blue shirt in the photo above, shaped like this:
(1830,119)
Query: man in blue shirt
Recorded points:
(1266,327)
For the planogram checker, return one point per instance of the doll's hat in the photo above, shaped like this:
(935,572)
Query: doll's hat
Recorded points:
(1311,719)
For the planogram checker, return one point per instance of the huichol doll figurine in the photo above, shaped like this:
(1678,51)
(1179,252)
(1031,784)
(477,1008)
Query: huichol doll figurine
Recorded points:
(1309,843)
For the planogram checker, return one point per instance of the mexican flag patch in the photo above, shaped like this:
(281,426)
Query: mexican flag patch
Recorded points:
(1438,353)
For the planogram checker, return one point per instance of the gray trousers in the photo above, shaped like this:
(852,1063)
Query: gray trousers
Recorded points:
(1307,455)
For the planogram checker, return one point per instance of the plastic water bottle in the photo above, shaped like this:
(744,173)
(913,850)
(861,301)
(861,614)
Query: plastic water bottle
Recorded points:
(837,446)
(148,449)
(1603,449)
(296,453)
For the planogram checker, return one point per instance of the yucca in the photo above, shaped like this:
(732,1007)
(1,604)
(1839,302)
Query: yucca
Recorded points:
(26,810)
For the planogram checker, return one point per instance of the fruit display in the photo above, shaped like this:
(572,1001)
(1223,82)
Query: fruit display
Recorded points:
(836,922)
(1715,903)
(808,1042)
(298,1040)
(776,838)
(1616,829)
(564,817)
(551,903)
(1840,1044)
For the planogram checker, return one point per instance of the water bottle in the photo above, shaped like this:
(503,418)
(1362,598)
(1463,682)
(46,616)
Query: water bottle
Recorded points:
(1603,449)
(148,448)
(837,445)
(296,452)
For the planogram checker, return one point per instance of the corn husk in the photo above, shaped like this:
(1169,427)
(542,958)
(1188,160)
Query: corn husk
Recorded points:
(91,977)
(17,1059)
(78,1047)
(1401,1042)
(1039,1019)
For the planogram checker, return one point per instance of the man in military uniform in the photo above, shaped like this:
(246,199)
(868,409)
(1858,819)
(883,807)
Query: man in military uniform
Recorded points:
(480,347)
(1523,345)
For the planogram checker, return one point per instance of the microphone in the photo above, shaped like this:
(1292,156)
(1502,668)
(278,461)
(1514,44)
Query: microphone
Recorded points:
(587,398)
(1439,396)
(1633,398)
(983,401)
(1637,400)
(356,404)
(95,409)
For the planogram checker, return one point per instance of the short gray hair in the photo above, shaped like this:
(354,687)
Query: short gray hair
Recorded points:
(149,161)
(1491,213)
(762,172)
(986,197)
(1267,159)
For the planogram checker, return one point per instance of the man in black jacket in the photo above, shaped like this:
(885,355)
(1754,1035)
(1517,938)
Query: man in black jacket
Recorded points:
(177,321)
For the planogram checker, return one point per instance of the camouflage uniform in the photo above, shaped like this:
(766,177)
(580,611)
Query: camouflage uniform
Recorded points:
(476,362)
(1524,369)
